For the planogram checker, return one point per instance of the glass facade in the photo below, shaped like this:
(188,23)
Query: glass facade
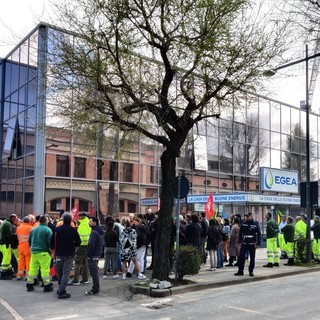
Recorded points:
(109,174)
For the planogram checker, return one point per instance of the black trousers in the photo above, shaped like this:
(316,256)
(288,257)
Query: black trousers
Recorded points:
(251,248)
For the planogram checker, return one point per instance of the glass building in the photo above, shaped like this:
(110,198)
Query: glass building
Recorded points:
(47,168)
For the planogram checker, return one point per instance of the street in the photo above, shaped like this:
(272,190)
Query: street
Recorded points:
(293,297)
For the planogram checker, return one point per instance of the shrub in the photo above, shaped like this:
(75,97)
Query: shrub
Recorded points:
(189,261)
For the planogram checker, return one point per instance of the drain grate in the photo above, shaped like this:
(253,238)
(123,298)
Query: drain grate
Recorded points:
(159,304)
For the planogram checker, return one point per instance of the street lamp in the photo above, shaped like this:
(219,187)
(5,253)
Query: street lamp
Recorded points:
(308,206)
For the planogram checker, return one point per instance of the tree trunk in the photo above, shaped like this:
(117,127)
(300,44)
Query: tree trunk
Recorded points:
(161,266)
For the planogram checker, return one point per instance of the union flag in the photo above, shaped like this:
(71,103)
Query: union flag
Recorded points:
(75,213)
(209,208)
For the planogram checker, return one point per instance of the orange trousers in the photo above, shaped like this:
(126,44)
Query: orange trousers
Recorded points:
(23,262)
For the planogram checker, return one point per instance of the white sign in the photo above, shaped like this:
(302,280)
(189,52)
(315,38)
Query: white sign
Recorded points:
(261,198)
(277,180)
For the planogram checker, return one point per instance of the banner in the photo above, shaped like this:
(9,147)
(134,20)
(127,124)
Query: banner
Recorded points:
(92,211)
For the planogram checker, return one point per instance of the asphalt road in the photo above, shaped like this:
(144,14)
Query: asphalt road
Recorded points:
(294,297)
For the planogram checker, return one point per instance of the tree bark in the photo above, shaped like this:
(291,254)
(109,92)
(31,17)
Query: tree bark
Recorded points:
(161,266)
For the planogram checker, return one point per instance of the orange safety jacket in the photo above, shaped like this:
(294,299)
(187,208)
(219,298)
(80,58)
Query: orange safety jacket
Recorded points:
(23,232)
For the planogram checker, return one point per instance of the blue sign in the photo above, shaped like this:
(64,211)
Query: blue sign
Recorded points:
(149,202)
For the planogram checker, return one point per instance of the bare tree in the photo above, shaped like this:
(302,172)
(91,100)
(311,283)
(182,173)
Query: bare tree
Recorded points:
(196,54)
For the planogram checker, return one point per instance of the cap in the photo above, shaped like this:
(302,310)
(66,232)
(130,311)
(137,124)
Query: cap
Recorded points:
(247,214)
(316,217)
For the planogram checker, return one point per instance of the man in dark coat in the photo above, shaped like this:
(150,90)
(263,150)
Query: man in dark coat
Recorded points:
(64,240)
(250,239)
(94,250)
(193,232)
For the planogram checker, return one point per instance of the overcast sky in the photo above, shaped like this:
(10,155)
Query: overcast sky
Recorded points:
(19,17)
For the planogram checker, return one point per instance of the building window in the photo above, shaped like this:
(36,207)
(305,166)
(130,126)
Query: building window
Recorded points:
(28,197)
(128,172)
(132,207)
(83,205)
(153,174)
(121,206)
(62,166)
(55,204)
(79,167)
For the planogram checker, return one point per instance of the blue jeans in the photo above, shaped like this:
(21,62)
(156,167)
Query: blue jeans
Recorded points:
(219,255)
(63,266)
(94,272)
(110,256)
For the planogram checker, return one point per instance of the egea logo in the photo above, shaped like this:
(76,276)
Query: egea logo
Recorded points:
(269,180)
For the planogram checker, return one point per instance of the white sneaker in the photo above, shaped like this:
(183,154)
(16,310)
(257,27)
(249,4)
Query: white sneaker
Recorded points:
(124,276)
(115,276)
(141,276)
(104,277)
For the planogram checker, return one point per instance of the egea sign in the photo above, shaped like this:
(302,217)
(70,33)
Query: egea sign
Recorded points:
(278,180)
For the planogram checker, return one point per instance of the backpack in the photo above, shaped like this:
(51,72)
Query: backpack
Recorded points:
(143,237)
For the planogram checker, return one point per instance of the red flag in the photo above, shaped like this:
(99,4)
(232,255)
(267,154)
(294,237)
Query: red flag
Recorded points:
(92,211)
(209,207)
(75,213)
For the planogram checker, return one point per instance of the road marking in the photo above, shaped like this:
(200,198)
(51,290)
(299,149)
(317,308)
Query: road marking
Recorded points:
(256,312)
(158,304)
(73,316)
(13,312)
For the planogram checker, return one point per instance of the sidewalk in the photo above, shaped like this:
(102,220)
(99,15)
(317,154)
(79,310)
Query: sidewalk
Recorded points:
(225,276)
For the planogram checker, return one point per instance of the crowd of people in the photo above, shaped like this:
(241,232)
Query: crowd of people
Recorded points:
(39,249)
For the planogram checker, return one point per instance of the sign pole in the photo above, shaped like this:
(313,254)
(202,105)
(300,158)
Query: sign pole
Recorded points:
(177,228)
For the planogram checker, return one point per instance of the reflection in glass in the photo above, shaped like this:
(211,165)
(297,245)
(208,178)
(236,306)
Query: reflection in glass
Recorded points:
(275,159)
(264,114)
(275,140)
(295,118)
(275,116)
(265,140)
(285,119)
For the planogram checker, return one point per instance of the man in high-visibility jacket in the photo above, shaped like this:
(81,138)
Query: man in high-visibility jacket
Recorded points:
(7,237)
(39,242)
(288,232)
(282,243)
(23,232)
(272,237)
(301,228)
(300,235)
(80,260)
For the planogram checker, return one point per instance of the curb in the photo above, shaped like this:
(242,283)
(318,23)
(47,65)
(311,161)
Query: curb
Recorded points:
(160,293)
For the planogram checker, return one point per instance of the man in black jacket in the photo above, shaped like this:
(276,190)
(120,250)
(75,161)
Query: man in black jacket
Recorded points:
(250,239)
(94,250)
(64,240)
